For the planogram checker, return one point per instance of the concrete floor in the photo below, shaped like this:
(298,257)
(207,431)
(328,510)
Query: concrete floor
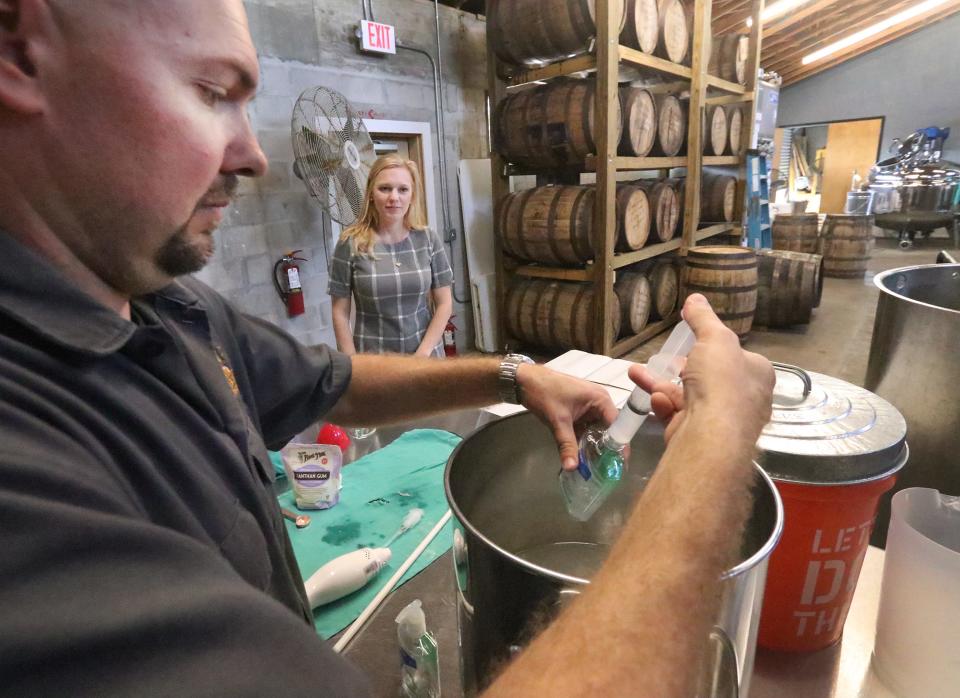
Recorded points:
(837,340)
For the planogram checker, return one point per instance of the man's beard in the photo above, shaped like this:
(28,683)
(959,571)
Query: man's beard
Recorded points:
(180,256)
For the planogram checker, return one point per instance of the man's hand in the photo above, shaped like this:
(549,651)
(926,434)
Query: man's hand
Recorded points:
(565,404)
(719,378)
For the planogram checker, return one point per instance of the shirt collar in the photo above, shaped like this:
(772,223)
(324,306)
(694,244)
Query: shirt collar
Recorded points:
(35,294)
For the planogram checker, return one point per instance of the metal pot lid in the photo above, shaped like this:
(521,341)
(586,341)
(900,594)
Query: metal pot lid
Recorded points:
(825,431)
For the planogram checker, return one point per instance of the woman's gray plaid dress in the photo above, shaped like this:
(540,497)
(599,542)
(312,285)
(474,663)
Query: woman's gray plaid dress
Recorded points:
(391,291)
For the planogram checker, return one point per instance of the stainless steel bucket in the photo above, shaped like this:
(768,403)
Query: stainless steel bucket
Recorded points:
(914,364)
(519,556)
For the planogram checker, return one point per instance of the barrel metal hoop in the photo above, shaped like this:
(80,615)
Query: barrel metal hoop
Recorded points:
(548,44)
(563,139)
(586,21)
(552,241)
(713,266)
(552,317)
(589,100)
(720,289)
(588,253)
(502,208)
(529,287)
(574,309)
(539,100)
(736,316)
(533,332)
(524,249)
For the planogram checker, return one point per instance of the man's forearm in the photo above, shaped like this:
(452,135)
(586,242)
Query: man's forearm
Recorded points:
(653,603)
(390,388)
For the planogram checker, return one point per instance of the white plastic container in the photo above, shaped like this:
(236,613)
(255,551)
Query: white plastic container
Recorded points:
(918,624)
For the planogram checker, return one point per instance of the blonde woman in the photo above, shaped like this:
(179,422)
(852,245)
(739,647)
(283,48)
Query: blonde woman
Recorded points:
(392,267)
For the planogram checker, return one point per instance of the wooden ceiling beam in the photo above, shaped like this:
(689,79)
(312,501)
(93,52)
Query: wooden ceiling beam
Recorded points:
(924,20)
(783,53)
(838,23)
(786,21)
(732,17)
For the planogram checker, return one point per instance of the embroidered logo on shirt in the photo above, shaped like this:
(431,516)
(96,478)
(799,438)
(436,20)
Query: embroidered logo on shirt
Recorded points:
(227,372)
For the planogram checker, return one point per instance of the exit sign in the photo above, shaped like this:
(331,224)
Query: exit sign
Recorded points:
(379,38)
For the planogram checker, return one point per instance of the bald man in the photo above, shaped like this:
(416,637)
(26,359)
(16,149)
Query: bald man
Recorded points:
(143,550)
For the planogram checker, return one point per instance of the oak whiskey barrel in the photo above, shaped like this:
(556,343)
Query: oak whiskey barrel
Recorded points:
(554,224)
(729,54)
(846,244)
(552,125)
(664,207)
(642,28)
(671,125)
(788,287)
(718,195)
(674,31)
(797,233)
(679,185)
(664,289)
(553,314)
(533,32)
(734,129)
(548,224)
(727,276)
(715,125)
(633,217)
(633,293)
(639,122)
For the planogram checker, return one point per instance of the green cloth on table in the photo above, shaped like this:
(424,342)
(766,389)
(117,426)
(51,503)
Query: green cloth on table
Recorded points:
(277,461)
(378,492)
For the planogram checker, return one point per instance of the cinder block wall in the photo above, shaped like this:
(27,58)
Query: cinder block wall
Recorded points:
(304,43)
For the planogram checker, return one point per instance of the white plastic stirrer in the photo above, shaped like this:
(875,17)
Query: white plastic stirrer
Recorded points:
(388,587)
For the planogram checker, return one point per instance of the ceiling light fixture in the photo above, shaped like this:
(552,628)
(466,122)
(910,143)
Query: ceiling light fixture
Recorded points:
(872,30)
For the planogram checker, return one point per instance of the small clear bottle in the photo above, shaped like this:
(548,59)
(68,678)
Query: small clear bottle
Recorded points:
(602,465)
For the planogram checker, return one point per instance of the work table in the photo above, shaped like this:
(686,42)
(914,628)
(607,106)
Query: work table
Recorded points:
(842,671)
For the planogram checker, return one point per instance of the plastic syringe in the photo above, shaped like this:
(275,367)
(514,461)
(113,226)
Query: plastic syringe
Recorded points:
(663,366)
(602,464)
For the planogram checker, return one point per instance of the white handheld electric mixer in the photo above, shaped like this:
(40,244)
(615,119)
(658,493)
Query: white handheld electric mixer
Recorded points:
(346,574)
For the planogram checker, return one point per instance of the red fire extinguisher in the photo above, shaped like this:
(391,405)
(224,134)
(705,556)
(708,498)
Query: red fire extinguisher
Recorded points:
(450,338)
(286,279)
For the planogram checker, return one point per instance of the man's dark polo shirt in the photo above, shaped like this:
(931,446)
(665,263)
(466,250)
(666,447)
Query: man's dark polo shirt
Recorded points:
(141,548)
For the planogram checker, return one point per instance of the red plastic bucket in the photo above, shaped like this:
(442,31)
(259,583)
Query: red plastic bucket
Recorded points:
(813,572)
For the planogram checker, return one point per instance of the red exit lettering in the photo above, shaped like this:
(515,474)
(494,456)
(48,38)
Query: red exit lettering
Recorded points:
(378,37)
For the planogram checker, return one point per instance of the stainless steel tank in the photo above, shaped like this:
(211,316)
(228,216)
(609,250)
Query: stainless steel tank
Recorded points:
(916,190)
(519,556)
(913,364)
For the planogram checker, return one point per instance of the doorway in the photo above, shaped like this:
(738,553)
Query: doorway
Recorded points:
(818,164)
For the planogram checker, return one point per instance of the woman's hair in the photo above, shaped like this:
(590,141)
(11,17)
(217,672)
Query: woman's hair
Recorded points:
(361,234)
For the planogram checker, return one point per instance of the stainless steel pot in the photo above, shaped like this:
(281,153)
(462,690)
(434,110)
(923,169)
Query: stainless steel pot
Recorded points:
(916,190)
(519,556)
(913,364)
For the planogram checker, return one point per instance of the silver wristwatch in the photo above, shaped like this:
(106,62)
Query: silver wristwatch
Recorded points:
(508,387)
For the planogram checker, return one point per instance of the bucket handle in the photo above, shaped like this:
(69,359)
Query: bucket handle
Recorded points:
(797,371)
(722,675)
